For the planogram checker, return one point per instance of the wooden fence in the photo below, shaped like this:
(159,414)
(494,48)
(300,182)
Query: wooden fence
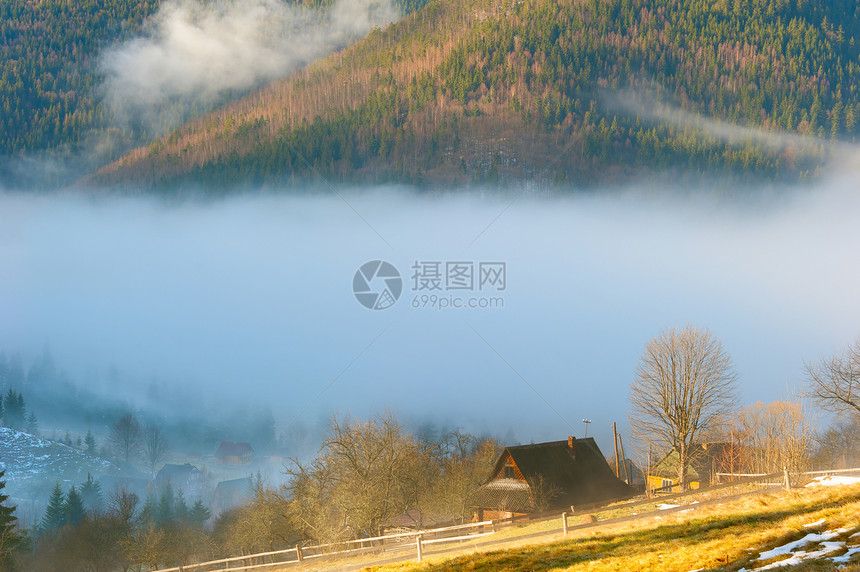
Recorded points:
(402,541)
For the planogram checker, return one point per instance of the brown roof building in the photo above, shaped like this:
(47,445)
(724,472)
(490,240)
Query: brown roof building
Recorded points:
(549,477)
(187,478)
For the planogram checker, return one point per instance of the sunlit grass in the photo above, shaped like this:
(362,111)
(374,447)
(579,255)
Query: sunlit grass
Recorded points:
(719,537)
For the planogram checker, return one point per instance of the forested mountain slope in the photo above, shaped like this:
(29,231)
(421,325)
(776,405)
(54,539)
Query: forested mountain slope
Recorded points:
(54,93)
(586,90)
(48,68)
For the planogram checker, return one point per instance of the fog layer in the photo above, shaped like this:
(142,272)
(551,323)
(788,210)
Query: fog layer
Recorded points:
(253,296)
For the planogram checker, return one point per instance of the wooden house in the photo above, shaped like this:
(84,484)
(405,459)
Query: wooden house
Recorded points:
(706,460)
(230,494)
(186,477)
(234,452)
(547,477)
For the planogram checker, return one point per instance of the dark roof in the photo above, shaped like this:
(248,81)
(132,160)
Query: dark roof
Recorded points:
(510,495)
(578,476)
(177,474)
(237,448)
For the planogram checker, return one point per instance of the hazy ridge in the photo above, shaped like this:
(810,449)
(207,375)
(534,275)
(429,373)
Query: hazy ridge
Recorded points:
(586,92)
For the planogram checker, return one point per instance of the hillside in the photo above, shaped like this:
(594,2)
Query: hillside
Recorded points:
(33,465)
(56,103)
(815,528)
(553,90)
(48,68)
(25,457)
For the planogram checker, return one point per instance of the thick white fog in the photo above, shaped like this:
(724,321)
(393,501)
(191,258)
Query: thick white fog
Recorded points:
(191,52)
(252,296)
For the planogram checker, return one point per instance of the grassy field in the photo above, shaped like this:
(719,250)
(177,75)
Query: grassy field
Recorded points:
(725,536)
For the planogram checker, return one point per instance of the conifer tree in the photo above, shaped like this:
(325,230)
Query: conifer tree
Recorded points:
(198,514)
(55,512)
(91,495)
(164,513)
(32,424)
(74,507)
(90,442)
(10,538)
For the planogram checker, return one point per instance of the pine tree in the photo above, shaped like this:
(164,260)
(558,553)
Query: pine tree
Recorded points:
(198,514)
(147,513)
(164,513)
(74,507)
(10,538)
(91,495)
(90,442)
(55,513)
(32,424)
(180,507)
(13,414)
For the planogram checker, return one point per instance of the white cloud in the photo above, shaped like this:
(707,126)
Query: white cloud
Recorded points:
(192,51)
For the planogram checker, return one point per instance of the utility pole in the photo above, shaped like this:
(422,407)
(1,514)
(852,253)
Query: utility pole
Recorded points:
(615,446)
(623,460)
(586,421)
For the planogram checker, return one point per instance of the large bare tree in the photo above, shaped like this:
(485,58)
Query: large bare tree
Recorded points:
(124,437)
(835,381)
(684,384)
(154,445)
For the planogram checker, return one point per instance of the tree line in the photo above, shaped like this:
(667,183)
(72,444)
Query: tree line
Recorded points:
(366,473)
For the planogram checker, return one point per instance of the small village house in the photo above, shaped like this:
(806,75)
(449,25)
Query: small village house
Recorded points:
(547,477)
(230,494)
(706,460)
(185,477)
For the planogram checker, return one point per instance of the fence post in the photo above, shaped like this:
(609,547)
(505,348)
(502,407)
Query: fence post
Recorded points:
(564,523)
(418,546)
(299,555)
(787,480)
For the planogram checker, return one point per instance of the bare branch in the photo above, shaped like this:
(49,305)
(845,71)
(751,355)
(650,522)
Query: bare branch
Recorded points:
(684,384)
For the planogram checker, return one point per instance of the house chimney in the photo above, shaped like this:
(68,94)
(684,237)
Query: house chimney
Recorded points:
(570,443)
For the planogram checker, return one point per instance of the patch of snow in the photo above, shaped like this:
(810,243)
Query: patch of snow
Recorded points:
(816,523)
(825,547)
(667,506)
(833,481)
(790,547)
(847,556)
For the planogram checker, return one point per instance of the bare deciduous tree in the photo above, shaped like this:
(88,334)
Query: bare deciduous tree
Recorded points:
(154,445)
(124,437)
(543,492)
(462,464)
(366,473)
(835,381)
(774,436)
(684,384)
(838,446)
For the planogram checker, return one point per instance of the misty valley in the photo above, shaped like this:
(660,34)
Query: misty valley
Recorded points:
(173,372)
(429,285)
